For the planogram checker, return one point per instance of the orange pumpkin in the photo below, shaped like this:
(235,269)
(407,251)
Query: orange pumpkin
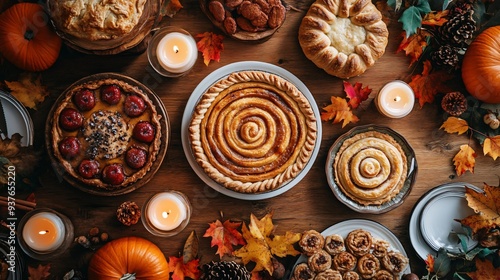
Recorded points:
(26,39)
(128,258)
(481,66)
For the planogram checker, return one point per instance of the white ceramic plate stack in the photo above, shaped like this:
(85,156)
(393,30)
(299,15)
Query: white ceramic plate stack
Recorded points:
(433,223)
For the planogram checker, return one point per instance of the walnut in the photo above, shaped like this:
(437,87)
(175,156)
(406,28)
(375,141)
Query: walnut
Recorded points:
(217,10)
(230,25)
(260,21)
(251,11)
(264,6)
(276,16)
(275,3)
(244,5)
(245,24)
(231,4)
(128,213)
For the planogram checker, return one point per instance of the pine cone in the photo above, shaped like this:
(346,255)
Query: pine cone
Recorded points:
(128,213)
(454,103)
(224,271)
(447,56)
(460,28)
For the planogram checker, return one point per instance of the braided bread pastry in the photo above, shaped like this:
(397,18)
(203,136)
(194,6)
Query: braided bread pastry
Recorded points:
(343,37)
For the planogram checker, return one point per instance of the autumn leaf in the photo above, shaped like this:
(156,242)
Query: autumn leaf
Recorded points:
(41,272)
(339,111)
(455,125)
(486,205)
(414,45)
(256,250)
(465,160)
(210,45)
(25,159)
(491,146)
(282,245)
(190,251)
(429,83)
(28,89)
(170,7)
(224,236)
(182,270)
(484,271)
(435,18)
(356,93)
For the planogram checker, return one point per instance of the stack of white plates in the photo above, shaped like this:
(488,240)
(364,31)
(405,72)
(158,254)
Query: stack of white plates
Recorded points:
(434,221)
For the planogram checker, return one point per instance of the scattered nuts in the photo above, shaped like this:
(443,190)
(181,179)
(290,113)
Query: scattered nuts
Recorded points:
(231,4)
(276,16)
(230,25)
(104,237)
(93,231)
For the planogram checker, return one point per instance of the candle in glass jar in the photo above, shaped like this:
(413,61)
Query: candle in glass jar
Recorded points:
(44,232)
(177,52)
(166,211)
(395,99)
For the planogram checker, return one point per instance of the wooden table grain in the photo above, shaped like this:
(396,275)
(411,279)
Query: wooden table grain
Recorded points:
(310,204)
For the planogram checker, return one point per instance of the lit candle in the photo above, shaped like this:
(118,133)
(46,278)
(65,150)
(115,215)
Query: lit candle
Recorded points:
(177,52)
(44,232)
(395,99)
(166,211)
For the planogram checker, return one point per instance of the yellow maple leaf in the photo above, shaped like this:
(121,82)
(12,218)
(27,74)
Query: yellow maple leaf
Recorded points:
(339,111)
(465,160)
(28,89)
(436,18)
(455,125)
(486,206)
(282,245)
(484,271)
(491,147)
(256,250)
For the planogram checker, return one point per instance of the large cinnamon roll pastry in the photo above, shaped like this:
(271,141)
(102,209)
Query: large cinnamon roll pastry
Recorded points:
(253,132)
(370,168)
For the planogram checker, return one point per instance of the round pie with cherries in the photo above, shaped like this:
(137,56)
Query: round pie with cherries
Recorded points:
(105,133)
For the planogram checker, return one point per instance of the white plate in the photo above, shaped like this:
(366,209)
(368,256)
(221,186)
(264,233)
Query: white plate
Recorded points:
(417,240)
(211,79)
(18,118)
(377,230)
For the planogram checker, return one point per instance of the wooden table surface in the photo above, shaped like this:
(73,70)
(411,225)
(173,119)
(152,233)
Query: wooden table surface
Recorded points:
(310,204)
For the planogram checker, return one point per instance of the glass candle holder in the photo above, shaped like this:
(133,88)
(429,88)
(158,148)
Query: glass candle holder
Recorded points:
(172,51)
(395,99)
(44,233)
(166,214)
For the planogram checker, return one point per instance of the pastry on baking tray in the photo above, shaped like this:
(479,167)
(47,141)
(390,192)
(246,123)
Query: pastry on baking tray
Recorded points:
(253,131)
(105,133)
(370,168)
(343,37)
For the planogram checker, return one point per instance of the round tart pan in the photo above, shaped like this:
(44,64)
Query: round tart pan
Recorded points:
(165,137)
(372,209)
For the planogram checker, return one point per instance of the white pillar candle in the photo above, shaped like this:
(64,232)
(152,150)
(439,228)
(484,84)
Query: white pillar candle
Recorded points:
(395,99)
(44,232)
(166,211)
(177,52)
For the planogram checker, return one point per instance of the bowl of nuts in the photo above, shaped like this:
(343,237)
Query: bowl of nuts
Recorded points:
(246,20)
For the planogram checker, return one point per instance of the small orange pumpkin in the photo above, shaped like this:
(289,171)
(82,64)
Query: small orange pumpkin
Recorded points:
(128,258)
(481,66)
(26,39)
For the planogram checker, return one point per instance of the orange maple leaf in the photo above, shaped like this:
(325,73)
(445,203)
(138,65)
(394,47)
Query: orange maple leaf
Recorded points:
(41,272)
(465,160)
(436,18)
(414,45)
(427,85)
(339,111)
(455,125)
(170,7)
(210,45)
(484,271)
(224,236)
(491,147)
(182,270)
(486,205)
(429,263)
(356,93)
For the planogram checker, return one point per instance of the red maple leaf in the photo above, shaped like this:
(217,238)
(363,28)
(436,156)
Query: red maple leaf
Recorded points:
(356,93)
(429,83)
(210,45)
(225,236)
(182,270)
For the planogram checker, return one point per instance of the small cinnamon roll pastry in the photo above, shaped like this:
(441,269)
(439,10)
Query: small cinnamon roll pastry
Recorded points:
(329,274)
(395,262)
(311,242)
(344,261)
(380,248)
(334,244)
(320,261)
(359,242)
(384,275)
(350,275)
(302,272)
(368,265)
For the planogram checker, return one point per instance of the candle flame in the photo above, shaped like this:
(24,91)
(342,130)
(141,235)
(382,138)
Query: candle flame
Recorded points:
(397,98)
(42,232)
(176,49)
(164,215)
